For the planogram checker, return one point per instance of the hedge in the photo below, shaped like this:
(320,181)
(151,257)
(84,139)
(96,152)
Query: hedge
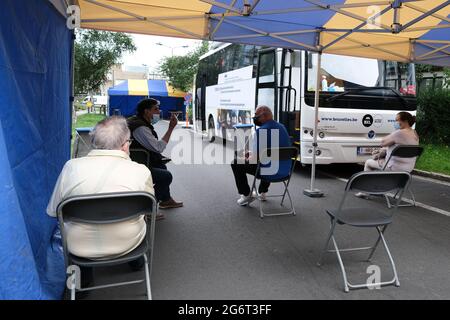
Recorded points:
(433,116)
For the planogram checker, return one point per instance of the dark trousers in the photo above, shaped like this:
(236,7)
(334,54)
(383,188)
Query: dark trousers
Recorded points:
(240,176)
(162,178)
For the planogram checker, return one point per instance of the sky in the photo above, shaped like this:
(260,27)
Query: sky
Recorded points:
(150,54)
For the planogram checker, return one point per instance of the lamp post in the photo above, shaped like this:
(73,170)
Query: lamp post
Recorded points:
(172,48)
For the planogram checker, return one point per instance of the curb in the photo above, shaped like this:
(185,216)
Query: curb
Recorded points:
(433,175)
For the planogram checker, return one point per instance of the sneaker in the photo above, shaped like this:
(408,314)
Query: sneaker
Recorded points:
(362,195)
(245,200)
(170,204)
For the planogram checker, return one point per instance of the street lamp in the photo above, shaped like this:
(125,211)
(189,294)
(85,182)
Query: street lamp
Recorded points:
(160,44)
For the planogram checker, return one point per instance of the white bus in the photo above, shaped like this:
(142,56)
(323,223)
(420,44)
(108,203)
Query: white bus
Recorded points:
(359,97)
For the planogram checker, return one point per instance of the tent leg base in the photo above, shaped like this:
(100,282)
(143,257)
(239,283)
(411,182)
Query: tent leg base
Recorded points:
(315,193)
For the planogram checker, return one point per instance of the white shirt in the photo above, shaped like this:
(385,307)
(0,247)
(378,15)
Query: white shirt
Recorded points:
(99,172)
(401,137)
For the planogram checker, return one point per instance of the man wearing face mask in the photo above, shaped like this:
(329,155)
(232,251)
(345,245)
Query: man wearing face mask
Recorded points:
(268,129)
(145,137)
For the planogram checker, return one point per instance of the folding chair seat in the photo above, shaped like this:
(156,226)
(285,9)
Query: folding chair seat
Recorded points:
(361,217)
(403,151)
(277,154)
(107,208)
(374,182)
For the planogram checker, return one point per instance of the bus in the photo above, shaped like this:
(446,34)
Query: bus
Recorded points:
(359,97)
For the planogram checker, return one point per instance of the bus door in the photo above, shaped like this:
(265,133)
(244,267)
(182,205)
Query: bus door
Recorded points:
(266,80)
(200,96)
(288,113)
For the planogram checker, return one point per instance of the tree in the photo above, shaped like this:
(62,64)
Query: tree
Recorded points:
(96,52)
(180,70)
(426,68)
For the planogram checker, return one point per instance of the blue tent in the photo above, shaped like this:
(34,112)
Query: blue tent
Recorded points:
(124,97)
(35,73)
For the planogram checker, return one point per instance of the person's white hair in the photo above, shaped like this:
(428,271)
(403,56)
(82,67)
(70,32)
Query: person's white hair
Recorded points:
(110,133)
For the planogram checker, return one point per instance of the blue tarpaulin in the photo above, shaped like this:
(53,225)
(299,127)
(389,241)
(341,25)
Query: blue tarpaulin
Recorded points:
(35,73)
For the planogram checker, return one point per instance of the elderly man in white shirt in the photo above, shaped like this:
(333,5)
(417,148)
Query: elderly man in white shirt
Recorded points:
(107,168)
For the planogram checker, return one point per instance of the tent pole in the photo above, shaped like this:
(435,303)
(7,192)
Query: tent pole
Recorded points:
(73,113)
(312,191)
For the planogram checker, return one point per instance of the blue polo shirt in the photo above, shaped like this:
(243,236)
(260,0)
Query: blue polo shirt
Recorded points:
(264,134)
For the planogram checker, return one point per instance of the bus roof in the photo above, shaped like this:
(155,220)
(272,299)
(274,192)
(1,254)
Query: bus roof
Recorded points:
(220,47)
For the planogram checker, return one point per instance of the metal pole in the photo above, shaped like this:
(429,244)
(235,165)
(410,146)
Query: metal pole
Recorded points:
(312,191)
(73,113)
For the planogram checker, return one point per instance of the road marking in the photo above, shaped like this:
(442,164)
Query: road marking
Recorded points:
(418,204)
(445,183)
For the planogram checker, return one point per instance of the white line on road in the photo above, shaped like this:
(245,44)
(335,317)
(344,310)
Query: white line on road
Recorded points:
(418,204)
(445,183)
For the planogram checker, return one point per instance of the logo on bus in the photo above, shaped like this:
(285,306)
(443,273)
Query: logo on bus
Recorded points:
(367,120)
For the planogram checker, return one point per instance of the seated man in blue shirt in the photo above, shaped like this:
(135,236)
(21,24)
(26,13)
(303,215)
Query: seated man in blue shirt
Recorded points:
(268,129)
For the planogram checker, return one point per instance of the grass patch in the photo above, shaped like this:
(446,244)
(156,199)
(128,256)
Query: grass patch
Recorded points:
(88,120)
(435,158)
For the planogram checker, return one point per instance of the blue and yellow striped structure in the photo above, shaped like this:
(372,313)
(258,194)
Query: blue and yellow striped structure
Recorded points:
(141,87)
(398,30)
(124,97)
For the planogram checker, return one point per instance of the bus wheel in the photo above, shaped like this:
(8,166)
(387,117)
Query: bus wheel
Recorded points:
(211,133)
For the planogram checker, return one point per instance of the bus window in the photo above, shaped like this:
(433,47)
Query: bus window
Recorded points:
(361,83)
(339,73)
(267,68)
(266,84)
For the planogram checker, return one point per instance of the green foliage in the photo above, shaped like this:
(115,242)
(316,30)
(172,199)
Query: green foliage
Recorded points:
(180,70)
(95,53)
(435,158)
(433,115)
(426,68)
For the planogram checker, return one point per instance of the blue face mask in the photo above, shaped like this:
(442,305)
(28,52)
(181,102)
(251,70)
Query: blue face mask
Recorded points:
(155,118)
(397,126)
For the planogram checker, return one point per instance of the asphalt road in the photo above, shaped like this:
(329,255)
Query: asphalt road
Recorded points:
(214,249)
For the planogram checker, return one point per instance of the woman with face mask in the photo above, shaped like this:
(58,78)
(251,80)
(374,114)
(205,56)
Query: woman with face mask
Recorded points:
(404,134)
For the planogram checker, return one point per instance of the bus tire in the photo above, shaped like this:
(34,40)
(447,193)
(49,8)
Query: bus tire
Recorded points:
(211,133)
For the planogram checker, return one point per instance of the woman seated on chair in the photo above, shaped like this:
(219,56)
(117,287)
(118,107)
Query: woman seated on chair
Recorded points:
(403,135)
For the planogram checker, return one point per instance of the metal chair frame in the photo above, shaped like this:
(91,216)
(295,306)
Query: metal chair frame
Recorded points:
(73,279)
(135,151)
(403,151)
(381,229)
(285,180)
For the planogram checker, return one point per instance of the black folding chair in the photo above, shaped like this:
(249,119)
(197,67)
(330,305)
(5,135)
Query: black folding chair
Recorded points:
(375,182)
(276,154)
(403,151)
(141,156)
(107,208)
